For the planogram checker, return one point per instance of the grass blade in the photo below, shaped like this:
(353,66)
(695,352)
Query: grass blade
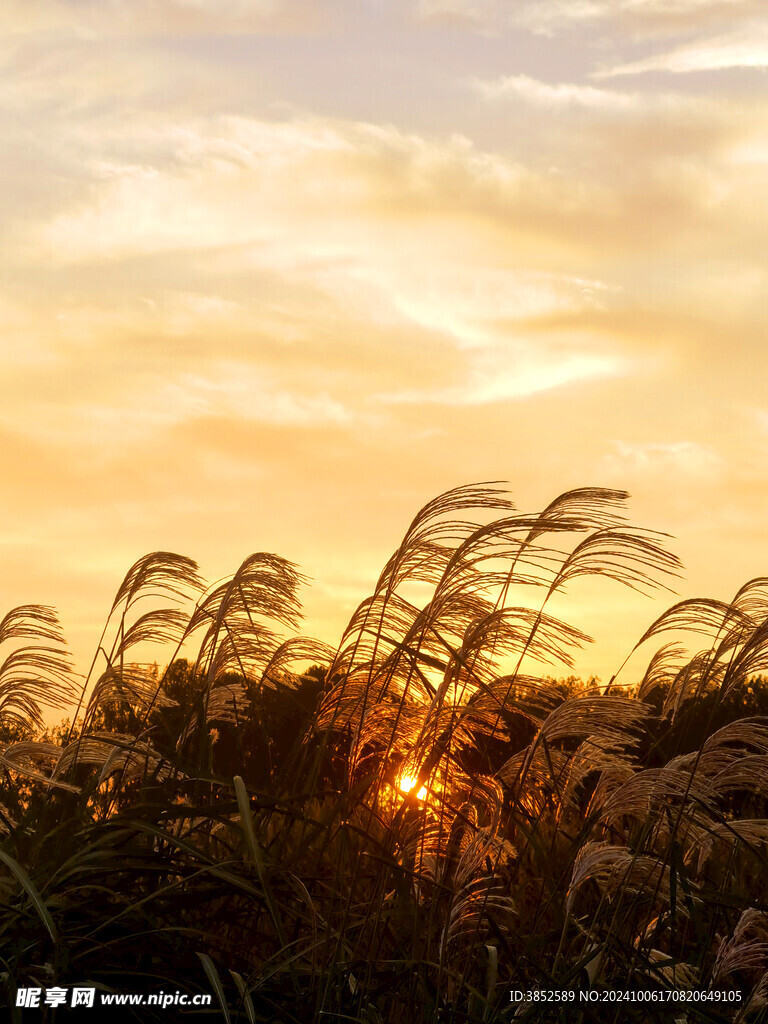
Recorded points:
(31,890)
(213,976)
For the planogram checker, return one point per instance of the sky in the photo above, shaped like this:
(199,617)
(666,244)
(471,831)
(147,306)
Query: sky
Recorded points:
(274,273)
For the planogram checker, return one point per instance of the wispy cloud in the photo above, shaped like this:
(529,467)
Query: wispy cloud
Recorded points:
(672,16)
(664,457)
(745,48)
(517,372)
(642,18)
(121,18)
(554,96)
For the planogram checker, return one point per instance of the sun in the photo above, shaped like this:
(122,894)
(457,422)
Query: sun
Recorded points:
(406,784)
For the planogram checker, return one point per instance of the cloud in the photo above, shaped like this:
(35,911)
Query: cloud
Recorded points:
(123,406)
(664,458)
(516,373)
(642,18)
(479,12)
(554,96)
(232,180)
(659,15)
(467,303)
(121,18)
(354,224)
(315,192)
(745,48)
(350,270)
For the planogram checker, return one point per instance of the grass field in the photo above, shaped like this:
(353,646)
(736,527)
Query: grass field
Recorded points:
(419,828)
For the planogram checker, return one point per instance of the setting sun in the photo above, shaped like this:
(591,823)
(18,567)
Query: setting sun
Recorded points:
(406,784)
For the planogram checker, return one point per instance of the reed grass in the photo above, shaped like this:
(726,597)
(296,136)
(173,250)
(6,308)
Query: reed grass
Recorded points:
(428,820)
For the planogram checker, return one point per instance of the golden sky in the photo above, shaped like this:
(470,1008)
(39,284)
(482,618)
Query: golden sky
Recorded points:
(276,272)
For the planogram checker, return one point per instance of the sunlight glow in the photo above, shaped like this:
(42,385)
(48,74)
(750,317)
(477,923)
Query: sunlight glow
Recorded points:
(406,784)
